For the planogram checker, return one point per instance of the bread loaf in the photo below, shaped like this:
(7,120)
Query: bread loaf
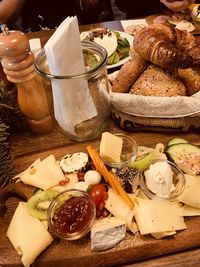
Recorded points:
(191,79)
(157,81)
(129,73)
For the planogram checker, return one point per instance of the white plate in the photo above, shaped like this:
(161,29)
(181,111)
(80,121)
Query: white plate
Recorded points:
(124,60)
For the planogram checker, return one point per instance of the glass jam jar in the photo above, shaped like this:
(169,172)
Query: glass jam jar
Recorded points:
(80,103)
(71,214)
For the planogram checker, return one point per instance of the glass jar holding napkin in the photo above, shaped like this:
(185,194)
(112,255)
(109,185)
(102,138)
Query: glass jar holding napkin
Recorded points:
(78,76)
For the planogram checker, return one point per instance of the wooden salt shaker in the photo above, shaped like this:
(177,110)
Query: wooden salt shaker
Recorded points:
(17,62)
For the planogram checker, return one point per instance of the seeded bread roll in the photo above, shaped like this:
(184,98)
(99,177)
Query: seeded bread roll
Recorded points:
(129,73)
(191,79)
(157,81)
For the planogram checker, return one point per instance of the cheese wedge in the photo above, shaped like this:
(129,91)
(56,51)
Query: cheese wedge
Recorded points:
(107,233)
(44,175)
(111,147)
(191,195)
(153,216)
(28,235)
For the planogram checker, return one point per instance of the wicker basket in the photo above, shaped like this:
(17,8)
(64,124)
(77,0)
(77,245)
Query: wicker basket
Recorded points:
(136,123)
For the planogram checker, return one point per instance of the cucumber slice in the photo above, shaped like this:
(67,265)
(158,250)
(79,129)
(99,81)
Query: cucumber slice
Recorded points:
(176,141)
(142,161)
(176,151)
(186,156)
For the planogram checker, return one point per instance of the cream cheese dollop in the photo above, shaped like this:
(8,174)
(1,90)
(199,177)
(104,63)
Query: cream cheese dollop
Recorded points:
(74,162)
(159,179)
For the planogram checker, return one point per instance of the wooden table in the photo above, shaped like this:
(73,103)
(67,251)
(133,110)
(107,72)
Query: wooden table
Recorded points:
(181,250)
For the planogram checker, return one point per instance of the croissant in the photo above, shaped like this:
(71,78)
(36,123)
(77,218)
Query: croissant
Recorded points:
(166,46)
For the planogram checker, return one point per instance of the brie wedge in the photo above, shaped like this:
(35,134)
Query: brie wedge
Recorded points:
(107,233)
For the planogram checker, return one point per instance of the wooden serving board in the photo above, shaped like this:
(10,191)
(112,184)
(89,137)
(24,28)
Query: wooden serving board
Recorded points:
(74,253)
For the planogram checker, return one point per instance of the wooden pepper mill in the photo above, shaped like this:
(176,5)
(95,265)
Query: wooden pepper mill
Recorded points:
(18,65)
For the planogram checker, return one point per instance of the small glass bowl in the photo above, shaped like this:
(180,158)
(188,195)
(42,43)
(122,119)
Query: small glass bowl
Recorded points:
(129,151)
(178,181)
(65,214)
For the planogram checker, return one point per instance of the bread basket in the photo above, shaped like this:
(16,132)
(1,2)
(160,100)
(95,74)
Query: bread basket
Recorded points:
(159,87)
(134,112)
(137,123)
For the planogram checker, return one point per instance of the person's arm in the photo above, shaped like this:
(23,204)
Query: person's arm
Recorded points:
(177,5)
(10,10)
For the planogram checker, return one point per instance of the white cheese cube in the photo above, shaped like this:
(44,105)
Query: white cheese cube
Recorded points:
(111,147)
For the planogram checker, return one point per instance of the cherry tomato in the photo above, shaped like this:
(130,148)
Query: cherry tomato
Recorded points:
(98,194)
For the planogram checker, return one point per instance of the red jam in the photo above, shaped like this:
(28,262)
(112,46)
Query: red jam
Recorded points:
(73,216)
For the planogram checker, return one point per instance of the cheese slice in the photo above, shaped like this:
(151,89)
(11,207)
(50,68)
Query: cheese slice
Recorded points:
(153,216)
(121,210)
(111,147)
(191,195)
(28,235)
(44,175)
(107,233)
(34,164)
(189,211)
(73,180)
(163,234)
(116,205)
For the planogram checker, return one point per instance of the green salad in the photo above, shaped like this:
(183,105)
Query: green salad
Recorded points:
(116,45)
(122,50)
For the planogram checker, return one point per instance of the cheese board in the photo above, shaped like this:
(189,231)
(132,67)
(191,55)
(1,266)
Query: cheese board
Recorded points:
(133,248)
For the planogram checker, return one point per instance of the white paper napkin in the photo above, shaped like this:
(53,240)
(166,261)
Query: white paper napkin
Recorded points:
(73,103)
